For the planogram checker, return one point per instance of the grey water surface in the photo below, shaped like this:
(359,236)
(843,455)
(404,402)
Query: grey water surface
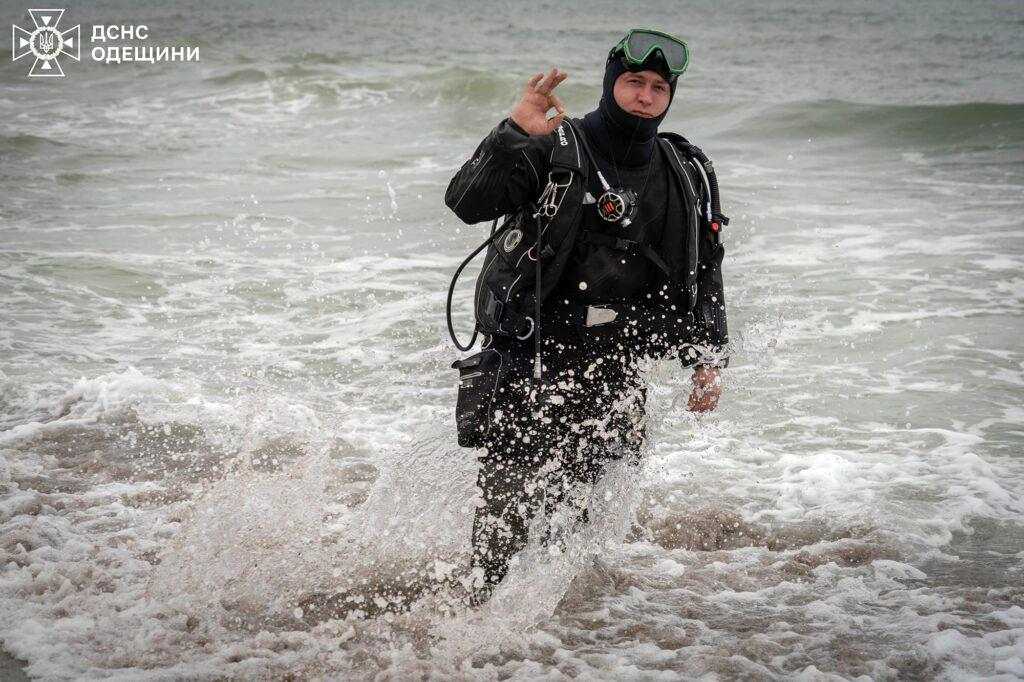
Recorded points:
(224,370)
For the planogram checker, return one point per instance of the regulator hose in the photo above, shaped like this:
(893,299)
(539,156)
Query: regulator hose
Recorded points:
(709,170)
(455,278)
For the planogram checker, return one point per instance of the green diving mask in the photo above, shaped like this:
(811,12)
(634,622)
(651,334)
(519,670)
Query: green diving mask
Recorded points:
(640,43)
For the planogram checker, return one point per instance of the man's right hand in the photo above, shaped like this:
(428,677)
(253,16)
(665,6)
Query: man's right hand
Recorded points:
(707,389)
(531,112)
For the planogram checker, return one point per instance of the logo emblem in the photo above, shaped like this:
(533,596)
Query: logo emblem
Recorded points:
(512,239)
(46,43)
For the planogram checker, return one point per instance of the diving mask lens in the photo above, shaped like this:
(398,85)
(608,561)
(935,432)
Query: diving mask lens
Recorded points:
(639,43)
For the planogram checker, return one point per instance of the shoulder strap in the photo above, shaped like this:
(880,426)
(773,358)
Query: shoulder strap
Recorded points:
(565,149)
(716,219)
(676,156)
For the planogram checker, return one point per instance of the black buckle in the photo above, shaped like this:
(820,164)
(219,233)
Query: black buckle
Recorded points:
(493,308)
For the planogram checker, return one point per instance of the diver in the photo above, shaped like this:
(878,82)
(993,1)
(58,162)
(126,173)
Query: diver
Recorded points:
(609,253)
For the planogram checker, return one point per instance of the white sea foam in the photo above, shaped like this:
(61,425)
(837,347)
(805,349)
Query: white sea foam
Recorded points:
(226,405)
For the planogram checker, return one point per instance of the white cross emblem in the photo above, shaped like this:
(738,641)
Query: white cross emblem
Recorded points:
(46,43)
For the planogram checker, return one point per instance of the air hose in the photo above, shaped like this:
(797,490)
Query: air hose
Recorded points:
(455,278)
(717,219)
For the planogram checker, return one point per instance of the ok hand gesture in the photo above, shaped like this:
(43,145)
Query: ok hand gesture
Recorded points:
(531,112)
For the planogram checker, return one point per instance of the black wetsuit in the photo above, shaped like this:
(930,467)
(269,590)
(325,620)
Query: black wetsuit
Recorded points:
(551,452)
(540,449)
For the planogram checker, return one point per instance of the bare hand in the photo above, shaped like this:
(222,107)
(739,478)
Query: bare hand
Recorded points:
(531,112)
(707,389)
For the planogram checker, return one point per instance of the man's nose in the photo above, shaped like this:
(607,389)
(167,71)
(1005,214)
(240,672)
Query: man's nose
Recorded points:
(645,96)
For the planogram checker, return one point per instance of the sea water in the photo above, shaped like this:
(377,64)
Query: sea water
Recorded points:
(225,391)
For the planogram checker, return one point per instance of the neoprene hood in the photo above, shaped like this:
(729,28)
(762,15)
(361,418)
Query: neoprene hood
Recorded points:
(619,136)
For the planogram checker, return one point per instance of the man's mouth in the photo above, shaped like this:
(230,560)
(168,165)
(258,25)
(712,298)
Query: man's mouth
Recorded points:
(641,113)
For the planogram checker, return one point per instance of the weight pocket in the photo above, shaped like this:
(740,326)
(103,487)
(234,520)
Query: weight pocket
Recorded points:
(479,378)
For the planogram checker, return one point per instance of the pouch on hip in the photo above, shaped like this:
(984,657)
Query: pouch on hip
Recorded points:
(480,377)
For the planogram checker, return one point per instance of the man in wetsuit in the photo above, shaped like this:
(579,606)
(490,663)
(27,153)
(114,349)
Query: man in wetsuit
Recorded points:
(619,295)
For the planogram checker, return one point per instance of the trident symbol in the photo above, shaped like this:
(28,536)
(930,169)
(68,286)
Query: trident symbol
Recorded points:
(46,42)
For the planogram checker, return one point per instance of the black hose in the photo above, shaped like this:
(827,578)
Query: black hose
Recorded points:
(709,170)
(455,278)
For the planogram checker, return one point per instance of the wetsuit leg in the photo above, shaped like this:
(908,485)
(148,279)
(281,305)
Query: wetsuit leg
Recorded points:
(554,458)
(502,520)
(508,496)
(605,422)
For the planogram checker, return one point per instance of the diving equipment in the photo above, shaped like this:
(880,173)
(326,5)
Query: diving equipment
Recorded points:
(640,43)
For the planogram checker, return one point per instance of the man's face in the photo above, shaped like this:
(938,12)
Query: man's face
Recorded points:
(644,93)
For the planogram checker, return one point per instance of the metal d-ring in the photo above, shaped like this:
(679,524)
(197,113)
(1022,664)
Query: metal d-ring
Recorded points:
(529,333)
